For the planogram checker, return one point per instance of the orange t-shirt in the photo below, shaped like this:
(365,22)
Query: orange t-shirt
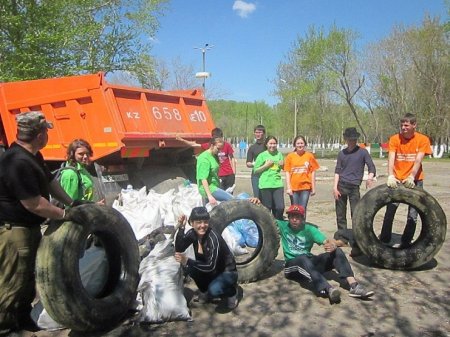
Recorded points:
(301,168)
(405,153)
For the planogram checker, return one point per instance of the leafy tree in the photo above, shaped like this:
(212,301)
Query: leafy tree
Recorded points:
(320,73)
(410,72)
(46,38)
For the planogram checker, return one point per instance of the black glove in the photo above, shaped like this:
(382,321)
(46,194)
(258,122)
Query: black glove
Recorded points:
(76,203)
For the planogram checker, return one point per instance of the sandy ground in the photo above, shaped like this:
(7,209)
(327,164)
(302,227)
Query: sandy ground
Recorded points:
(406,303)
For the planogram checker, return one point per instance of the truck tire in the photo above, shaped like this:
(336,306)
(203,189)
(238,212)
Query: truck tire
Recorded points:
(57,269)
(269,240)
(422,250)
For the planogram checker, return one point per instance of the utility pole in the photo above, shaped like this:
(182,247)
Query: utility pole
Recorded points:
(203,74)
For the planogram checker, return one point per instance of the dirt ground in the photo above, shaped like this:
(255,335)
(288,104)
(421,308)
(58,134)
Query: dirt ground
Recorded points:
(406,303)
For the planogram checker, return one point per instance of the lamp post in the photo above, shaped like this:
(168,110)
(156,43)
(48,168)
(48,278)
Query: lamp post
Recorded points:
(203,74)
(295,110)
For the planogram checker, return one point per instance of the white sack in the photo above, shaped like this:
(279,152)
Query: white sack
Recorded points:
(232,243)
(144,217)
(161,286)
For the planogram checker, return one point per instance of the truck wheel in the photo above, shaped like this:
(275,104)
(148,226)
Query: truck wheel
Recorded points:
(269,241)
(422,250)
(57,269)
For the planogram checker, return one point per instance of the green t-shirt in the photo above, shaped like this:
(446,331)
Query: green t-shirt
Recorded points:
(70,183)
(270,178)
(301,242)
(207,168)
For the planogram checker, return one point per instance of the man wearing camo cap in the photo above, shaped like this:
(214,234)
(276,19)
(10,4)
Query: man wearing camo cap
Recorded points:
(25,186)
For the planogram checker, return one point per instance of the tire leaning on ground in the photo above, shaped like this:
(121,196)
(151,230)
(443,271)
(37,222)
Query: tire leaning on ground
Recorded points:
(269,241)
(422,250)
(57,269)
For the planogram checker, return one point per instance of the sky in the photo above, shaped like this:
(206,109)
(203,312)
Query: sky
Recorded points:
(250,39)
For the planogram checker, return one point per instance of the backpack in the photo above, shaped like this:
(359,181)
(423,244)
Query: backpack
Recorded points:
(58,173)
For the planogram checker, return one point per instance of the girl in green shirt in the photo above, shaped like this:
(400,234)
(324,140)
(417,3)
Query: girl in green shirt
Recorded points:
(269,165)
(78,182)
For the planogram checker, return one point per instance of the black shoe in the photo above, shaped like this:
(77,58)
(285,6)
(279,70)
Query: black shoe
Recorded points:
(28,324)
(334,295)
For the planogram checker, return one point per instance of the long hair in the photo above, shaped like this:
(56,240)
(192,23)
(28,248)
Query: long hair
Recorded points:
(72,148)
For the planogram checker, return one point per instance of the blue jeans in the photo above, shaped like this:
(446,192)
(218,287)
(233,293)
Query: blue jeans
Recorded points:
(411,221)
(219,195)
(301,198)
(222,195)
(223,284)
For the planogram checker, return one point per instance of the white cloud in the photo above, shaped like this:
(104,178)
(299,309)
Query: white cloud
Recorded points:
(243,8)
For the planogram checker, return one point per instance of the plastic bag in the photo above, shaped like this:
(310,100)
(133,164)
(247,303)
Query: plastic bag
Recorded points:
(161,286)
(249,231)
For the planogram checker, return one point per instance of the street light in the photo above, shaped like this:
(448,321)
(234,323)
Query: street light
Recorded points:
(203,74)
(295,110)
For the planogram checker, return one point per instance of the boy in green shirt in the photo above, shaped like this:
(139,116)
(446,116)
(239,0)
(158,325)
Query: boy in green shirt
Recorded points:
(297,239)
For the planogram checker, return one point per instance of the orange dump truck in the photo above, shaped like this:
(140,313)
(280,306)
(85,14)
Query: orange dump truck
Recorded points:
(133,131)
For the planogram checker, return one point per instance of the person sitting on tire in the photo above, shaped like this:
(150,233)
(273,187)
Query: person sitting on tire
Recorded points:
(214,268)
(297,239)
(406,152)
(207,170)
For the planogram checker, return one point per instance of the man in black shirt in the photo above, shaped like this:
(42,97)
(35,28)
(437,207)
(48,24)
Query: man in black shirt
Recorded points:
(253,152)
(25,186)
(348,176)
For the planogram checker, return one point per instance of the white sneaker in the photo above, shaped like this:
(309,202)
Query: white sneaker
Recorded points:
(231,189)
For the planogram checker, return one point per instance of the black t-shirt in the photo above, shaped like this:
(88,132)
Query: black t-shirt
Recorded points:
(253,151)
(22,176)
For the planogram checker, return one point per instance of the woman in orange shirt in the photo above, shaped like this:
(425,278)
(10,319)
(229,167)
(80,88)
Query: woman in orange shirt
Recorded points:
(300,167)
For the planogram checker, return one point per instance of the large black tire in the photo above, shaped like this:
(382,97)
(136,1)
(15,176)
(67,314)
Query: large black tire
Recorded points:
(269,238)
(57,269)
(429,241)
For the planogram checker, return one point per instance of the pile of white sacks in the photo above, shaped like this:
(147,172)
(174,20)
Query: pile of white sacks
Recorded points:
(160,291)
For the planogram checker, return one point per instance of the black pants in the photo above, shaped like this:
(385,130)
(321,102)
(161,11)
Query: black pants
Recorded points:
(312,268)
(348,192)
(227,181)
(273,199)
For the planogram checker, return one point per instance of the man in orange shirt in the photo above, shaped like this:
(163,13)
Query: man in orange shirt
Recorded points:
(406,152)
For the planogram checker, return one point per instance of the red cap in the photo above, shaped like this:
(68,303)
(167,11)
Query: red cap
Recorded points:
(296,209)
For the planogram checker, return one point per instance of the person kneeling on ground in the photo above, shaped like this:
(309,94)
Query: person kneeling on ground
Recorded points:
(297,239)
(214,268)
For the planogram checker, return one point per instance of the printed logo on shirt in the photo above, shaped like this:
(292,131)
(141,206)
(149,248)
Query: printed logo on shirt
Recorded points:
(406,157)
(301,169)
(297,244)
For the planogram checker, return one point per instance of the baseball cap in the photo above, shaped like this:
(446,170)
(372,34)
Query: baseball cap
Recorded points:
(31,123)
(296,209)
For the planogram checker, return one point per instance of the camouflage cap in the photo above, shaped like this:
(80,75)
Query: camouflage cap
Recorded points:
(32,122)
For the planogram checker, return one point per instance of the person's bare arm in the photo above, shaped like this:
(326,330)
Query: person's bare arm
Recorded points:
(288,183)
(313,183)
(417,163)
(211,198)
(58,193)
(42,207)
(336,192)
(187,142)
